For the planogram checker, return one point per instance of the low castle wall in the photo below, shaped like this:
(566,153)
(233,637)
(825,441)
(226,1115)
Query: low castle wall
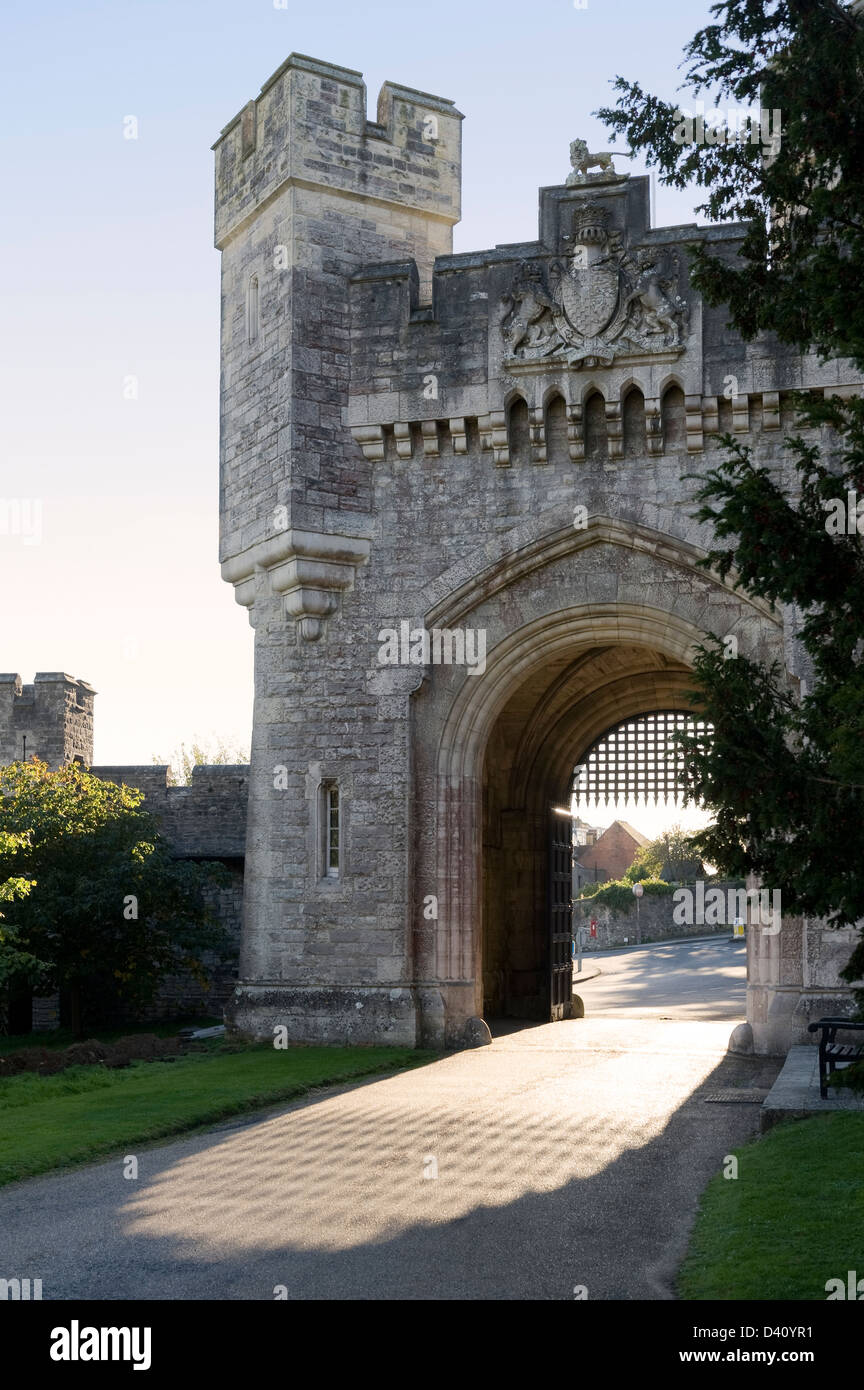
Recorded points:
(207,819)
(204,821)
(655,920)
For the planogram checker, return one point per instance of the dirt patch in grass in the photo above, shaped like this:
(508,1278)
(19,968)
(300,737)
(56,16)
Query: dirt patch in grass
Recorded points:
(138,1047)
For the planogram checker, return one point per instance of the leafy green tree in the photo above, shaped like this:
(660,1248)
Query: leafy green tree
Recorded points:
(15,963)
(784,772)
(96,903)
(674,853)
(199,754)
(799,267)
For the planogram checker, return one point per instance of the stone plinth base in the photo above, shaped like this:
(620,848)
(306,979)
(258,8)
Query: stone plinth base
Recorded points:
(399,1016)
(319,1014)
(779,1018)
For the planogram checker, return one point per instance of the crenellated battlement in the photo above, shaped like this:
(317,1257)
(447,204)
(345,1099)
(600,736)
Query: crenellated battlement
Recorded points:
(307,191)
(51,719)
(308,124)
(204,820)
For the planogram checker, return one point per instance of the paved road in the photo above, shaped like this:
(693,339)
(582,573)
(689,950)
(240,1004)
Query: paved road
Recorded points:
(696,980)
(566,1154)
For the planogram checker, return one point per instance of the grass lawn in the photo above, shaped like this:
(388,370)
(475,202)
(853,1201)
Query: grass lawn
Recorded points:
(86,1112)
(790,1221)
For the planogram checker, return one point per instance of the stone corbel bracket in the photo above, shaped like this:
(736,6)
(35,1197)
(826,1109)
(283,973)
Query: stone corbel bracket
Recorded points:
(309,569)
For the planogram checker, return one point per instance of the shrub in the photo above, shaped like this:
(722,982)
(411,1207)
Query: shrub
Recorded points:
(617,894)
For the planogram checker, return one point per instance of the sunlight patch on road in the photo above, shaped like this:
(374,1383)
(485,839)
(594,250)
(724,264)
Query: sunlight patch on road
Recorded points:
(480,1129)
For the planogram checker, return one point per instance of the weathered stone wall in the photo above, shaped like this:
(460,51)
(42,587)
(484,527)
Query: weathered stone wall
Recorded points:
(184,995)
(51,719)
(655,921)
(307,192)
(205,820)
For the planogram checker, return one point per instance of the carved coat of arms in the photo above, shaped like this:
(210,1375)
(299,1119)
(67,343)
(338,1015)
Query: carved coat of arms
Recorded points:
(589,295)
(598,303)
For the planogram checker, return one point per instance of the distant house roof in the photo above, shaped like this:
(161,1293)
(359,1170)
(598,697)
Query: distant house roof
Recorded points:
(584,852)
(632,832)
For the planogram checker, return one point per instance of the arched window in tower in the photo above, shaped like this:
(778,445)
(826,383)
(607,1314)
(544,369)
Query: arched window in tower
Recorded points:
(596,438)
(252,311)
(518,432)
(674,419)
(556,430)
(633,423)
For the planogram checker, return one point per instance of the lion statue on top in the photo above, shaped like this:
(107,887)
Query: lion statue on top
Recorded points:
(582,160)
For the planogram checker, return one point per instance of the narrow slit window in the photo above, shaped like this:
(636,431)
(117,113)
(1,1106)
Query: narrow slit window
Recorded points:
(252,310)
(331,832)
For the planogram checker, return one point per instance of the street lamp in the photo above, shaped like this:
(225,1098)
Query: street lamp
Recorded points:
(638,890)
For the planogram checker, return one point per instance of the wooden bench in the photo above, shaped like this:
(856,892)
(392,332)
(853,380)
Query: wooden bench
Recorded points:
(832,1053)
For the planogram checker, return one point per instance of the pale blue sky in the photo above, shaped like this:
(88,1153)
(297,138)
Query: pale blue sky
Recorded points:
(108,271)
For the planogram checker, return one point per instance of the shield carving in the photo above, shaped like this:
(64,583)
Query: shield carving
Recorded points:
(589,295)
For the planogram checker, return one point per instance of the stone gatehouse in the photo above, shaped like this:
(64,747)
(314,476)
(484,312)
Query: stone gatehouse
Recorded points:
(493,445)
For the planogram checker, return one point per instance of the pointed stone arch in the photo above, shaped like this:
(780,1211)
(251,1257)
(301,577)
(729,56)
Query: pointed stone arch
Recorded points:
(518,429)
(566,658)
(673,416)
(555,427)
(633,421)
(596,426)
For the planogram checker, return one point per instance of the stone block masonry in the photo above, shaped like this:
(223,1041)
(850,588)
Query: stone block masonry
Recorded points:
(205,820)
(51,719)
(308,192)
(655,921)
(496,441)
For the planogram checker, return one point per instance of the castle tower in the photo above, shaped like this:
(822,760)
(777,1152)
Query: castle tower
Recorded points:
(308,191)
(51,719)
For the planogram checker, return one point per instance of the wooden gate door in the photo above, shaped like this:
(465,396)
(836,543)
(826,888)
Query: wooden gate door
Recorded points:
(559,917)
